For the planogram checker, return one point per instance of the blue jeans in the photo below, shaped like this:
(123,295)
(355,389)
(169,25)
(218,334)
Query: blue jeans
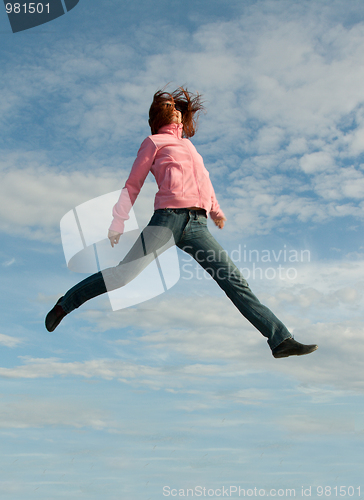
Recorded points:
(190,233)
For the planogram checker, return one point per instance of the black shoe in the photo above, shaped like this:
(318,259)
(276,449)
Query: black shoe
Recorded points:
(291,347)
(54,317)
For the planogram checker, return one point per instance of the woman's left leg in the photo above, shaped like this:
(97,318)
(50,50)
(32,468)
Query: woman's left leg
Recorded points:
(202,246)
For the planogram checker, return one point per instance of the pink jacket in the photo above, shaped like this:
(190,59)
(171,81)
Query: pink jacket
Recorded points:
(182,178)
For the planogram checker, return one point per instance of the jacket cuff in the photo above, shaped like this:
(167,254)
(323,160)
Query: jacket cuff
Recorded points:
(117,225)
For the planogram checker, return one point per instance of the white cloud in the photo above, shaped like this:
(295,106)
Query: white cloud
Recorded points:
(269,139)
(35,199)
(9,341)
(205,354)
(306,424)
(314,162)
(357,142)
(321,290)
(9,263)
(109,369)
(347,182)
(32,412)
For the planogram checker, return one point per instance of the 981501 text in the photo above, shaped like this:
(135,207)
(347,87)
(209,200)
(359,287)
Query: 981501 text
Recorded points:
(27,8)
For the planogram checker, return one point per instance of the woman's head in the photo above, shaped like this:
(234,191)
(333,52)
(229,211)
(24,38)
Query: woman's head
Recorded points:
(165,107)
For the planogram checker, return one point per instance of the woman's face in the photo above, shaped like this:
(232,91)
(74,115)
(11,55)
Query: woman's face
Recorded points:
(177,115)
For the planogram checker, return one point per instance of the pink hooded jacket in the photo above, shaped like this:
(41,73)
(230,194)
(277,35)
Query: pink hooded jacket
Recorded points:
(182,178)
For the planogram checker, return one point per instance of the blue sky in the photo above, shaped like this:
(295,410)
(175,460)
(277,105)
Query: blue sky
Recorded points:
(181,391)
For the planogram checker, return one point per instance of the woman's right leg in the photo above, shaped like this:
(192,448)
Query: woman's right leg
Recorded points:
(87,289)
(165,227)
(152,241)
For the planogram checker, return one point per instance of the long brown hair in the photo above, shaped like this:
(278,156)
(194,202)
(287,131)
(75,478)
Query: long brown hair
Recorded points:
(189,104)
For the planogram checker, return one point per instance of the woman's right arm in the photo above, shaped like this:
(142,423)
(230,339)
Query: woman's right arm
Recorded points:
(133,185)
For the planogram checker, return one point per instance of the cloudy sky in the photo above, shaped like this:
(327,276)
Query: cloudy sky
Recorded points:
(180,391)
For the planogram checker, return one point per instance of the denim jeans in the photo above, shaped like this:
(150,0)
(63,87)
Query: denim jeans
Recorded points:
(190,233)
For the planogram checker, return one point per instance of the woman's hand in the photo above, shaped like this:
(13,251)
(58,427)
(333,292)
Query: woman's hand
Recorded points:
(114,237)
(220,222)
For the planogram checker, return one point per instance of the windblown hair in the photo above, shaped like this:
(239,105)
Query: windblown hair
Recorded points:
(186,102)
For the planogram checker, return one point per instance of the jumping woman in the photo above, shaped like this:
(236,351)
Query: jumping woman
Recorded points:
(184,200)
